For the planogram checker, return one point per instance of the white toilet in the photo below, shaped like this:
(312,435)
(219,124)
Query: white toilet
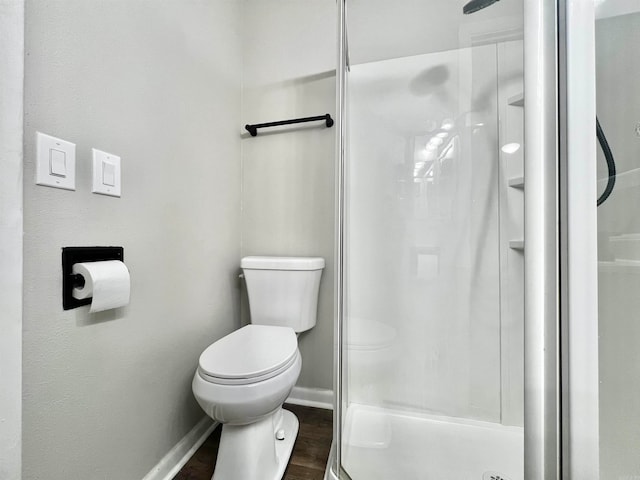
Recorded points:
(244,378)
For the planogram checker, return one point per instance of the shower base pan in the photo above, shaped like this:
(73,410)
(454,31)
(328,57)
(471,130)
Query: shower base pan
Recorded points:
(380,444)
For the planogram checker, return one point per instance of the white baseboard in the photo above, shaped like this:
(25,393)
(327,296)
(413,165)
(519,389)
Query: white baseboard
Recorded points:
(179,455)
(311,397)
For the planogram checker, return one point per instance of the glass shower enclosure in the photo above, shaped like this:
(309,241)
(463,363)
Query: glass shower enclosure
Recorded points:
(617,66)
(433,252)
(485,311)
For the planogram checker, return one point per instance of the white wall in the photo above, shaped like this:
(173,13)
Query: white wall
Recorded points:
(381,30)
(289,51)
(11,73)
(158,83)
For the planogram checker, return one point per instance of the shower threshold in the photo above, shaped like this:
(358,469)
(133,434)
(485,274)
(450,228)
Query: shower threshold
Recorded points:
(381,443)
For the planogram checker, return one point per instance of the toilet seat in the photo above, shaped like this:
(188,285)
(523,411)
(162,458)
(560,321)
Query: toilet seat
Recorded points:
(249,355)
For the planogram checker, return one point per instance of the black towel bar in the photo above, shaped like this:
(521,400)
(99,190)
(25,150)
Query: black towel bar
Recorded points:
(253,129)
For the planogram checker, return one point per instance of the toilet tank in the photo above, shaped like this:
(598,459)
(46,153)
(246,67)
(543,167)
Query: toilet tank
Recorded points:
(283,291)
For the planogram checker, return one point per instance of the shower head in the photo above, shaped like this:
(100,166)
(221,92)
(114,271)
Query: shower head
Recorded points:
(475,5)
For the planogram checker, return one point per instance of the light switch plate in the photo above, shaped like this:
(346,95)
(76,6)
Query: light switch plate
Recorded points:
(56,162)
(106,173)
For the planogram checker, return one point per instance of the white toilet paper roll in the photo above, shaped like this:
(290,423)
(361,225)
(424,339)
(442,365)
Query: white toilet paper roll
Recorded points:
(107,282)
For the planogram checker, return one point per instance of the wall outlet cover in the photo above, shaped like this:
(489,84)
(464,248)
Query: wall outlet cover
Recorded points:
(106,173)
(55,162)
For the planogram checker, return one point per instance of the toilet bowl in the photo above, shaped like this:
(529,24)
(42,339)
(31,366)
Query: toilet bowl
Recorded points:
(248,374)
(243,379)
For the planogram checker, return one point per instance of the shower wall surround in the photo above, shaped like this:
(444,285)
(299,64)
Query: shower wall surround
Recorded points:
(108,395)
(433,236)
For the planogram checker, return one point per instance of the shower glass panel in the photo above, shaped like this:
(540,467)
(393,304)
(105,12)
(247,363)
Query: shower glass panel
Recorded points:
(617,33)
(433,252)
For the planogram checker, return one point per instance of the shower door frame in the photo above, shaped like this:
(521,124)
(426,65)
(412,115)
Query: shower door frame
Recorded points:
(561,256)
(542,411)
(561,379)
(334,466)
(579,242)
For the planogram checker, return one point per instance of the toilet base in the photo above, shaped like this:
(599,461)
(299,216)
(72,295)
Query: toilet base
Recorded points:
(252,452)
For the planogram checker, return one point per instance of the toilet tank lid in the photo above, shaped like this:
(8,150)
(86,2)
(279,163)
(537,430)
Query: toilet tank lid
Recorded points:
(282,263)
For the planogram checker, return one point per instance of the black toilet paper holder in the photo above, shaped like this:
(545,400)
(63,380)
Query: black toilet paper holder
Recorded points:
(70,280)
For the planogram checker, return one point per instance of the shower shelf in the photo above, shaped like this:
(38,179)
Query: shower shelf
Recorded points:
(516,244)
(516,100)
(516,182)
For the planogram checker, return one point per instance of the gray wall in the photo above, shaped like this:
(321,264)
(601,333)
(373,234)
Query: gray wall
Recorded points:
(11,73)
(158,83)
(289,53)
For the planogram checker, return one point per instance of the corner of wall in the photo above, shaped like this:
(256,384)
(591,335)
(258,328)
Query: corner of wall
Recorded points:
(288,175)
(11,139)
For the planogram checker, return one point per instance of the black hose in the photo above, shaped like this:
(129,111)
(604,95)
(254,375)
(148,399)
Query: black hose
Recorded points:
(611,163)
(475,5)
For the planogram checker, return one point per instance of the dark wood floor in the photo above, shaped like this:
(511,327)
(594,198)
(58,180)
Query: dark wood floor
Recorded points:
(308,460)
